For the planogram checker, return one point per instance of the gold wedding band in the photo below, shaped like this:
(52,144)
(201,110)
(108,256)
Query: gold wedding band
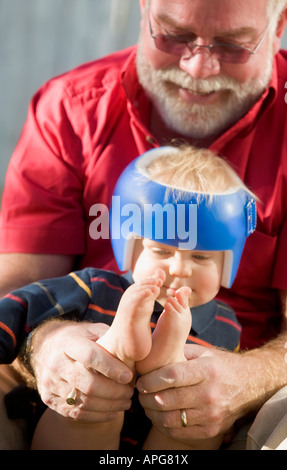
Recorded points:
(71,398)
(183,418)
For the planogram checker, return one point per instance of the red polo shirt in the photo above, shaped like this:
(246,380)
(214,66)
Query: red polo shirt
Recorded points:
(85,126)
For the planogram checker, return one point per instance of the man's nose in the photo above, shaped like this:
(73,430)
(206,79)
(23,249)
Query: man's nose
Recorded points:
(200,63)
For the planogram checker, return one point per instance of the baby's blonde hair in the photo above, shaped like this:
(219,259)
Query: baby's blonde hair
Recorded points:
(189,168)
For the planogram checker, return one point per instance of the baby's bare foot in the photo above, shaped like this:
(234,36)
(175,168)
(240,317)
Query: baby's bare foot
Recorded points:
(170,334)
(129,337)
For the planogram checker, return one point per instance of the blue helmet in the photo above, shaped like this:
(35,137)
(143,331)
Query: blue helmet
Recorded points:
(189,220)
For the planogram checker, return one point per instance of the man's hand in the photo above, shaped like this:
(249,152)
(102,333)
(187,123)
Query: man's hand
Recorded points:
(214,387)
(66,356)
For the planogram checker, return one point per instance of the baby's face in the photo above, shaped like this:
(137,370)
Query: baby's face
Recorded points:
(199,270)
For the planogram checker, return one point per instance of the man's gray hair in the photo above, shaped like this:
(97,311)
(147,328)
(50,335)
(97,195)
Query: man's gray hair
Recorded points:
(275,9)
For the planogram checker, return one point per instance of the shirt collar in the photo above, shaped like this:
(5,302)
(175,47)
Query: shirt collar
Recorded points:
(129,78)
(251,118)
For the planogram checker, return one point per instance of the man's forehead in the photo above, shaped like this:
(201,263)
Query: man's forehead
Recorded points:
(216,12)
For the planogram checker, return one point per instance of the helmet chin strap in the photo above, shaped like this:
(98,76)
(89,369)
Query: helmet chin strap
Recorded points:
(227,269)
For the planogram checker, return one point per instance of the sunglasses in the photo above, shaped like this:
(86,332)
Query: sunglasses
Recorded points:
(185,46)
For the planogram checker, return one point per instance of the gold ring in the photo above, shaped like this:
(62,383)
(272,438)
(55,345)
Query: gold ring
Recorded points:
(71,398)
(183,418)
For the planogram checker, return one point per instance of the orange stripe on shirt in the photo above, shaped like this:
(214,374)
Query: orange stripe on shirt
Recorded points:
(199,341)
(17,299)
(227,320)
(102,310)
(100,279)
(10,332)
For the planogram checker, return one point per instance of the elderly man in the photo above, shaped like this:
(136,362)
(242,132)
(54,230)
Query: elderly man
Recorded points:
(209,73)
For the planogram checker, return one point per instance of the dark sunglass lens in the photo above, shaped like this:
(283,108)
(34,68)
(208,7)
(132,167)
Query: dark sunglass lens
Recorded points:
(229,54)
(170,45)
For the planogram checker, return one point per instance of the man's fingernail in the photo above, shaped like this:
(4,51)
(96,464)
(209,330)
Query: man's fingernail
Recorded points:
(140,388)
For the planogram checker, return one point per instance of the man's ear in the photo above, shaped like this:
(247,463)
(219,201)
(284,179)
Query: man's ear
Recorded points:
(142,6)
(280,30)
(282,23)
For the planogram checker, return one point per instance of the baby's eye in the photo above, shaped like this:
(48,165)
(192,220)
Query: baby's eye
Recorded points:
(160,252)
(198,257)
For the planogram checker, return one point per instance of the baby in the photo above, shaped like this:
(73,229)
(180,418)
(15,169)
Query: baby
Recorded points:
(177,260)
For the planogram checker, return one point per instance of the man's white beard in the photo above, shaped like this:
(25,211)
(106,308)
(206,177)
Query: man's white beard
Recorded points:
(194,120)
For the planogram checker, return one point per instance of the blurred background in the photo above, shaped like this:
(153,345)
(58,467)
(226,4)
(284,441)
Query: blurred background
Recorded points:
(40,39)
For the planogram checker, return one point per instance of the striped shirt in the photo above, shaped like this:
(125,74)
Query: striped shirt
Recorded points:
(93,295)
